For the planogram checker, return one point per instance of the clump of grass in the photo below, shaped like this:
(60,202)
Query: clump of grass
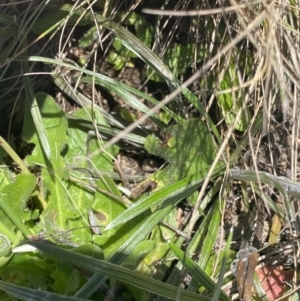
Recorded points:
(235,74)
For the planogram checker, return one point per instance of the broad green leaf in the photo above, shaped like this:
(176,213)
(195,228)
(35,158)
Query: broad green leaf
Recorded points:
(138,254)
(144,30)
(90,250)
(107,209)
(122,50)
(6,176)
(147,265)
(54,174)
(124,250)
(55,125)
(194,138)
(9,240)
(13,202)
(121,233)
(5,246)
(17,194)
(66,279)
(81,144)
(28,270)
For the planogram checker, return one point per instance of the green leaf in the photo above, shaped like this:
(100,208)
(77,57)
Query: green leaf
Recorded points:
(179,59)
(121,233)
(116,60)
(90,250)
(147,266)
(122,50)
(13,202)
(107,209)
(124,250)
(55,126)
(138,254)
(54,174)
(231,102)
(67,280)
(187,147)
(89,37)
(28,270)
(51,20)
(6,176)
(144,32)
(5,246)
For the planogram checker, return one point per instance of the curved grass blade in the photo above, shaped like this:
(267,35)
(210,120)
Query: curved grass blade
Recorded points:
(175,278)
(128,39)
(74,121)
(30,294)
(83,100)
(14,156)
(170,194)
(117,272)
(196,272)
(214,218)
(143,52)
(119,89)
(110,84)
(217,291)
(35,113)
(284,185)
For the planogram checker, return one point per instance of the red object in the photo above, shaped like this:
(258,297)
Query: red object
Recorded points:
(273,280)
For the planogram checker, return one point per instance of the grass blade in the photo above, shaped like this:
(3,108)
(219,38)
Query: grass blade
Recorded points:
(29,294)
(117,272)
(170,194)
(198,273)
(35,112)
